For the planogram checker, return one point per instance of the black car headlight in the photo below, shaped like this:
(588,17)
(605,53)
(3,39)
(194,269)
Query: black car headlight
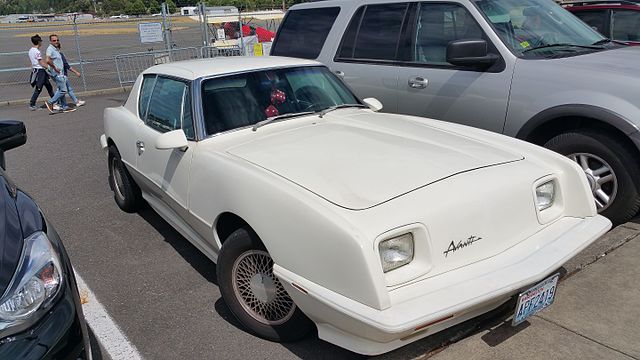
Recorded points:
(34,286)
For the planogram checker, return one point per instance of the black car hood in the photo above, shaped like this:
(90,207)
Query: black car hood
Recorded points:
(11,239)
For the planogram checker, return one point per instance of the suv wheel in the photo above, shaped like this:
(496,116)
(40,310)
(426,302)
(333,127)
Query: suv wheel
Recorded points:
(614,185)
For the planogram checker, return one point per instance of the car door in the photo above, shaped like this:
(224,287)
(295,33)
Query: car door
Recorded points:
(367,56)
(167,108)
(431,87)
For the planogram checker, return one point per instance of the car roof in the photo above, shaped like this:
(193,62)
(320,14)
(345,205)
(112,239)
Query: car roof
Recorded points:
(194,69)
(601,4)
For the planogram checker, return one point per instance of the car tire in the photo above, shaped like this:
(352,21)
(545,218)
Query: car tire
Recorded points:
(126,192)
(246,279)
(596,151)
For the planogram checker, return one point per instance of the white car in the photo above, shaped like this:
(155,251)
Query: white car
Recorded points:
(379,229)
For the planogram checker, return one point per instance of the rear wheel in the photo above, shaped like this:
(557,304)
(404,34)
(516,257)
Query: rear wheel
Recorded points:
(254,294)
(610,169)
(125,191)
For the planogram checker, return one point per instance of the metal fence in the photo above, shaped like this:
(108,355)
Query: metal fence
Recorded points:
(109,52)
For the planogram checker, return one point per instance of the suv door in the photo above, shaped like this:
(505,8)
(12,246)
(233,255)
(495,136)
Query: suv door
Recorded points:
(167,107)
(431,87)
(367,56)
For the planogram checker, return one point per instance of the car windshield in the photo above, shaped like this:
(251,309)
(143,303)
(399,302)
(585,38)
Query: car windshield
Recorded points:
(246,99)
(539,28)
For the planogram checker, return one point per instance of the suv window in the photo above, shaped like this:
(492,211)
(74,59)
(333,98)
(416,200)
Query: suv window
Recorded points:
(594,18)
(374,32)
(439,24)
(166,105)
(303,32)
(626,25)
(145,94)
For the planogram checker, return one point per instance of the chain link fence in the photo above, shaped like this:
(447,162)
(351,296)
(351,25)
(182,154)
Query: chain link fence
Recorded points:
(109,53)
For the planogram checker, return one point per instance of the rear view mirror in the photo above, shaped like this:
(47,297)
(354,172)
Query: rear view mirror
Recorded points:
(471,52)
(172,140)
(12,134)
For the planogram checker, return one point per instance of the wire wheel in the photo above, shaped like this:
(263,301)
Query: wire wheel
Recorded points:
(602,179)
(116,173)
(260,293)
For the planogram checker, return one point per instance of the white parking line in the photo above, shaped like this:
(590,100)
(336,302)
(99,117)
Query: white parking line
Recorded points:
(114,342)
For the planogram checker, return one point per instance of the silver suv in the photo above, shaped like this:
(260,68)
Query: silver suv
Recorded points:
(524,68)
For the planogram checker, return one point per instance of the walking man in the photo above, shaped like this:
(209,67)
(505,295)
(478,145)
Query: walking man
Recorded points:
(39,76)
(56,70)
(66,68)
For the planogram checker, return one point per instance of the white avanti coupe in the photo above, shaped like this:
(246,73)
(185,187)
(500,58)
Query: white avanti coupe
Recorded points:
(379,229)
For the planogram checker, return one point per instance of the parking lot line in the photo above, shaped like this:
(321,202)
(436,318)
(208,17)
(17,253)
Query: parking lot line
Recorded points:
(107,332)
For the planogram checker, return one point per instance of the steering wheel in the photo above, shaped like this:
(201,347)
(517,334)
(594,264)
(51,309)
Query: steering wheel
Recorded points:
(312,97)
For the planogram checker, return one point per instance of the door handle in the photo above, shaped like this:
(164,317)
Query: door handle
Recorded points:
(418,82)
(140,146)
(339,73)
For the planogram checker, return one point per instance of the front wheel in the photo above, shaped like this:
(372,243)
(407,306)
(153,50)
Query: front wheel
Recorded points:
(254,294)
(610,168)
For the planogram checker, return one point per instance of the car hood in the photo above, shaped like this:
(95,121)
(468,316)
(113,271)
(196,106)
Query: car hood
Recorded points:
(11,239)
(621,61)
(358,159)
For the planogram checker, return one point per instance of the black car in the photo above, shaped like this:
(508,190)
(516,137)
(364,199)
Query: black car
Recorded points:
(40,310)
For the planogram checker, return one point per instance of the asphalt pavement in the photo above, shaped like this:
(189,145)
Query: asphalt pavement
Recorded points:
(162,292)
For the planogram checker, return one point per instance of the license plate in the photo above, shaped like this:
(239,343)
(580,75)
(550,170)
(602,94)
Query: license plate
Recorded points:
(535,299)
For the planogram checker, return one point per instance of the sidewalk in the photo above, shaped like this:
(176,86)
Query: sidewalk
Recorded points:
(595,315)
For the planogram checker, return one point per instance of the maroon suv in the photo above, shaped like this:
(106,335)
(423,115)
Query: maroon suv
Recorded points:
(617,20)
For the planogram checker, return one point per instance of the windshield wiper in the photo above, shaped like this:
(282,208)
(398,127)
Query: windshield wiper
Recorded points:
(602,42)
(280,117)
(341,106)
(563,44)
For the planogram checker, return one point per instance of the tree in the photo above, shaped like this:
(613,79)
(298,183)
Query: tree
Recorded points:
(135,8)
(154,7)
(171,6)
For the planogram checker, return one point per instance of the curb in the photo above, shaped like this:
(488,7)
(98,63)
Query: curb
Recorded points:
(89,93)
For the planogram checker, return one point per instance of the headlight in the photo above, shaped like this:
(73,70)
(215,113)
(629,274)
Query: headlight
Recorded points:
(35,284)
(396,252)
(545,195)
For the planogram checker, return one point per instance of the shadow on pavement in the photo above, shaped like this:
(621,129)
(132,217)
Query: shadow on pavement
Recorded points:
(201,263)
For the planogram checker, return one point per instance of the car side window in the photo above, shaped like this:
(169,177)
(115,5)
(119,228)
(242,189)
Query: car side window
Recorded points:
(436,26)
(374,33)
(596,19)
(187,118)
(148,82)
(303,32)
(166,105)
(626,25)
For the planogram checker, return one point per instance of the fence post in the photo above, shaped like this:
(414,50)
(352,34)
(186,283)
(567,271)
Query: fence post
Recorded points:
(241,33)
(206,25)
(165,29)
(75,32)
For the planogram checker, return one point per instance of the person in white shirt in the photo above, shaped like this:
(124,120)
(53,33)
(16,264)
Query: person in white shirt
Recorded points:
(39,76)
(56,70)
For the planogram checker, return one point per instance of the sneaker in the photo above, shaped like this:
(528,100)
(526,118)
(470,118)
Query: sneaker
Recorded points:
(80,102)
(33,107)
(57,107)
(69,109)
(49,106)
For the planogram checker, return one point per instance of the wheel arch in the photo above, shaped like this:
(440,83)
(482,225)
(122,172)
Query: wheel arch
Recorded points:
(554,121)
(228,222)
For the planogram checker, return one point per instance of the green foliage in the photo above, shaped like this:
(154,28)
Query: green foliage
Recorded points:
(135,8)
(171,6)
(154,7)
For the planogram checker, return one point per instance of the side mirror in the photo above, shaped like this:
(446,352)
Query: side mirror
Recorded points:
(373,104)
(471,52)
(12,134)
(172,140)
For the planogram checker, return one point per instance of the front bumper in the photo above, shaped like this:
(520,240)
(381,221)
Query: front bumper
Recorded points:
(425,307)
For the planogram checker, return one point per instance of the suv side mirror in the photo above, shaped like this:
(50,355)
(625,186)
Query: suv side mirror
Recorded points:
(472,52)
(12,134)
